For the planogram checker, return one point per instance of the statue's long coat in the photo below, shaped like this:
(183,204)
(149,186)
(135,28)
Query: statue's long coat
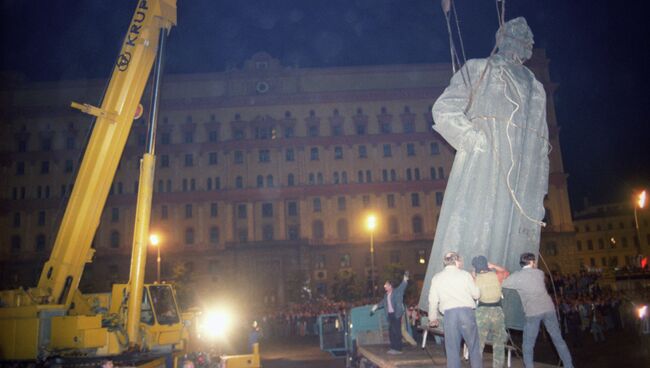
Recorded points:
(479,215)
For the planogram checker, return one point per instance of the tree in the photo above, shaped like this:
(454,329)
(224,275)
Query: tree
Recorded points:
(297,284)
(346,286)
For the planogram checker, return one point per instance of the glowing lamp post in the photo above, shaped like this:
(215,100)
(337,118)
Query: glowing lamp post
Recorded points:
(154,239)
(371,224)
(640,203)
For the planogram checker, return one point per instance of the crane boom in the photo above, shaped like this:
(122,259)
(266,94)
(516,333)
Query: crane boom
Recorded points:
(72,247)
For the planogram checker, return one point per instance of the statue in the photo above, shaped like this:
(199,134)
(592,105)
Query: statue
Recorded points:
(494,114)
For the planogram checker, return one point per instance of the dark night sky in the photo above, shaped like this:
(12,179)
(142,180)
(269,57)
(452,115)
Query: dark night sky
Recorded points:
(598,51)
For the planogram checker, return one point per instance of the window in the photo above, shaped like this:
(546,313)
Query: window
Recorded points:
(188,211)
(15,243)
(319,178)
(164,161)
(39,244)
(41,218)
(417,224)
(385,127)
(217,183)
(368,176)
(269,181)
(341,203)
(185,185)
(590,245)
(267,232)
(393,225)
(293,232)
(439,197)
(601,243)
(292,209)
(239,182)
(164,212)
(410,149)
(45,167)
(579,245)
(313,130)
(316,204)
(624,241)
(344,260)
(342,229)
(20,168)
(313,154)
(365,200)
(212,158)
(360,129)
(290,155)
(317,230)
(115,214)
(338,153)
(415,199)
(388,150)
(393,175)
(188,137)
(312,178)
(409,174)
(214,210)
(290,180)
(363,152)
(344,177)
(239,157)
(259,181)
(267,209)
(321,262)
(17,219)
(435,148)
(241,211)
(390,201)
(441,173)
(165,138)
(115,239)
(238,134)
(46,144)
(335,177)
(360,176)
(214,235)
(264,155)
(213,136)
(289,132)
(208,183)
(68,166)
(189,236)
(189,160)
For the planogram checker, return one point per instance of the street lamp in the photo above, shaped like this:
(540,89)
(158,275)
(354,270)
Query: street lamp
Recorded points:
(640,203)
(154,239)
(371,224)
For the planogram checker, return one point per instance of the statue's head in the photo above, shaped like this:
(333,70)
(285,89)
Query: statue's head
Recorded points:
(515,40)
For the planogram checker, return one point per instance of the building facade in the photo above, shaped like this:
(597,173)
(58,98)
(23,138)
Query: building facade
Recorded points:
(609,238)
(261,172)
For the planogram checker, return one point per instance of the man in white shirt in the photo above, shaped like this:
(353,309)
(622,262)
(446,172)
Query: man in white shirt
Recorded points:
(454,292)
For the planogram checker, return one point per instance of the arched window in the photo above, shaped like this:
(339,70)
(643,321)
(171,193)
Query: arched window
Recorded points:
(318,232)
(417,224)
(260,181)
(115,239)
(342,229)
(189,236)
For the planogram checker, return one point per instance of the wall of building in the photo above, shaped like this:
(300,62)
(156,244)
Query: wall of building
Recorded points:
(260,171)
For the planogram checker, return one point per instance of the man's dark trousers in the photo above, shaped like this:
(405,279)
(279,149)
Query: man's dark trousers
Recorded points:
(395,331)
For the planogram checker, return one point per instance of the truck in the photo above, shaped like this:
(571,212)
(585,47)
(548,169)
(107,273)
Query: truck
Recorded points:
(362,337)
(135,322)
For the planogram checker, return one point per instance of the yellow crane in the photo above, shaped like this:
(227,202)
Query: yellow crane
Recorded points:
(54,318)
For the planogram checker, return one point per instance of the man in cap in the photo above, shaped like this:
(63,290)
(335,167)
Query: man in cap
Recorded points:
(489,315)
(453,293)
(538,307)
